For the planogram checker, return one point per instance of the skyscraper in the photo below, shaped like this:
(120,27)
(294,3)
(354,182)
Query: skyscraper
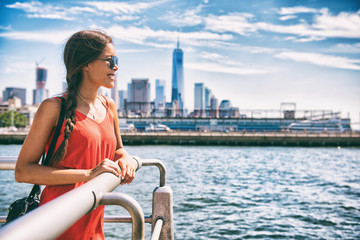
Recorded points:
(208,95)
(140,96)
(122,98)
(177,91)
(40,93)
(160,94)
(114,93)
(199,96)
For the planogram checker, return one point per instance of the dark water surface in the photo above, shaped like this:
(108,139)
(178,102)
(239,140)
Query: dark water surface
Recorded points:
(240,192)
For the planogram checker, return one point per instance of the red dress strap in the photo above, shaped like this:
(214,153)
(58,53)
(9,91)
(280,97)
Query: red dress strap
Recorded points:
(104,101)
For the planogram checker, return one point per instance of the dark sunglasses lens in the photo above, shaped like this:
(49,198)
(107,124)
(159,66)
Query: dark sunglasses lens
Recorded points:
(113,61)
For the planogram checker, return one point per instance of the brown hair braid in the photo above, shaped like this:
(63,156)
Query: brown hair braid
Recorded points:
(81,49)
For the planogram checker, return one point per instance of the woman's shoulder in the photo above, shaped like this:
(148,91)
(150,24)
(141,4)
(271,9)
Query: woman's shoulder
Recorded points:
(109,101)
(50,106)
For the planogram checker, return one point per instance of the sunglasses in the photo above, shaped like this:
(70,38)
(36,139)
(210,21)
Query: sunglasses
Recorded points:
(113,60)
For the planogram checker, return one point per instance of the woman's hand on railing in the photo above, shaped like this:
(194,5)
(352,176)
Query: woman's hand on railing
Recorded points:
(128,167)
(106,165)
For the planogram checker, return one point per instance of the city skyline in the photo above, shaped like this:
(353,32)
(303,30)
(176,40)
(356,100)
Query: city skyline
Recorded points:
(257,54)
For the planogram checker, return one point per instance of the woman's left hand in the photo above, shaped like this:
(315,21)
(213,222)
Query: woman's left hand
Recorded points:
(127,169)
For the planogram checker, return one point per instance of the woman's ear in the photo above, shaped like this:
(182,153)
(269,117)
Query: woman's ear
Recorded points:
(86,68)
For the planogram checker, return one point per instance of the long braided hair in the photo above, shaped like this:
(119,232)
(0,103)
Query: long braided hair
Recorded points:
(81,49)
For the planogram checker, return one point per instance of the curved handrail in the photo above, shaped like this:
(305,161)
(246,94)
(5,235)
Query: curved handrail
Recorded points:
(160,166)
(132,206)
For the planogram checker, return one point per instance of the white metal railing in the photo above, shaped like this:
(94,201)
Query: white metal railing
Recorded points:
(68,208)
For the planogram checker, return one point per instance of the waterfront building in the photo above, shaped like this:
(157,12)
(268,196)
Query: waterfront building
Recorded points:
(40,93)
(177,91)
(139,102)
(224,108)
(11,92)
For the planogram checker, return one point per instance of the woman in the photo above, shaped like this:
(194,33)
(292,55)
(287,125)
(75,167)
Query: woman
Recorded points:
(90,141)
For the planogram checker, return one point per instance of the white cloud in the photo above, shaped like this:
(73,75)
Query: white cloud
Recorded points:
(216,62)
(220,68)
(126,18)
(295,10)
(325,25)
(287,17)
(162,38)
(5,28)
(234,22)
(122,7)
(189,18)
(52,36)
(321,59)
(346,48)
(36,9)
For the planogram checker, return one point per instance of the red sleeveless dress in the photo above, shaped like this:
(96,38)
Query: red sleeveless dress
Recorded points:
(89,144)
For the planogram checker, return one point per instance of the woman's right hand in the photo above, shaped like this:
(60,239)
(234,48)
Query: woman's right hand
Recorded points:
(106,165)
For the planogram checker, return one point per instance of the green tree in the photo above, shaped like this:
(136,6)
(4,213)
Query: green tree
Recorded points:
(19,119)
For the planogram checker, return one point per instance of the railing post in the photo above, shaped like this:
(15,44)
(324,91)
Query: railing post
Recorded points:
(163,208)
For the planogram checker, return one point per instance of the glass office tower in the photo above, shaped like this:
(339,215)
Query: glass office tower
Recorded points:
(177,93)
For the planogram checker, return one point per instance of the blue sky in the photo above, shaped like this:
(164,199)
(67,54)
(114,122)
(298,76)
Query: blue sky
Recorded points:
(255,53)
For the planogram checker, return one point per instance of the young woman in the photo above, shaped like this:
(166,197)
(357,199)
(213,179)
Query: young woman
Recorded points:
(90,141)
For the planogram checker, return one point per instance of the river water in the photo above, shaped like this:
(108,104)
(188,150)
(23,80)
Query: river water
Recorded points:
(240,192)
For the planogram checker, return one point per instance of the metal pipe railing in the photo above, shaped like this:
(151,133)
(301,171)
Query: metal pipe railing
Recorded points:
(160,166)
(68,208)
(131,205)
(107,219)
(63,211)
(7,163)
(55,217)
(157,229)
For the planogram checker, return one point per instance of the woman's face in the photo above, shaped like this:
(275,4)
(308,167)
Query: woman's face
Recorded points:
(98,72)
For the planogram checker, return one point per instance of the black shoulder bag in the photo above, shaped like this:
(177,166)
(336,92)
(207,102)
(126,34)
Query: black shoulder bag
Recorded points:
(24,205)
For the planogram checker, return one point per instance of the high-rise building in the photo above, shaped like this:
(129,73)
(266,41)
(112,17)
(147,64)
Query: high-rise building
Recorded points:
(40,93)
(199,96)
(160,95)
(208,96)
(122,97)
(140,96)
(177,91)
(128,92)
(114,94)
(11,92)
(214,109)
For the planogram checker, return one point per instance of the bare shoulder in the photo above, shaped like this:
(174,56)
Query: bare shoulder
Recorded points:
(49,109)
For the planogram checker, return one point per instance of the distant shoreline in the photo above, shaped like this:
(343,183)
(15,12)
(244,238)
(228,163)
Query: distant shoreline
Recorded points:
(221,138)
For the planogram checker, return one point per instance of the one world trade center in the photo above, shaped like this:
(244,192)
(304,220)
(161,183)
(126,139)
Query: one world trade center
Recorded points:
(177,93)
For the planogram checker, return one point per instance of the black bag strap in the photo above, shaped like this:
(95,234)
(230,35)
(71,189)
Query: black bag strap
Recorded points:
(56,134)
(36,188)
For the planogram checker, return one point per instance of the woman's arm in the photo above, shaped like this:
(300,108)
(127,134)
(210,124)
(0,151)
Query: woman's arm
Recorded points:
(126,162)
(27,168)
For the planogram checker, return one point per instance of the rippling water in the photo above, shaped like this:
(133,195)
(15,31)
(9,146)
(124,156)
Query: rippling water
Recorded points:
(241,192)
